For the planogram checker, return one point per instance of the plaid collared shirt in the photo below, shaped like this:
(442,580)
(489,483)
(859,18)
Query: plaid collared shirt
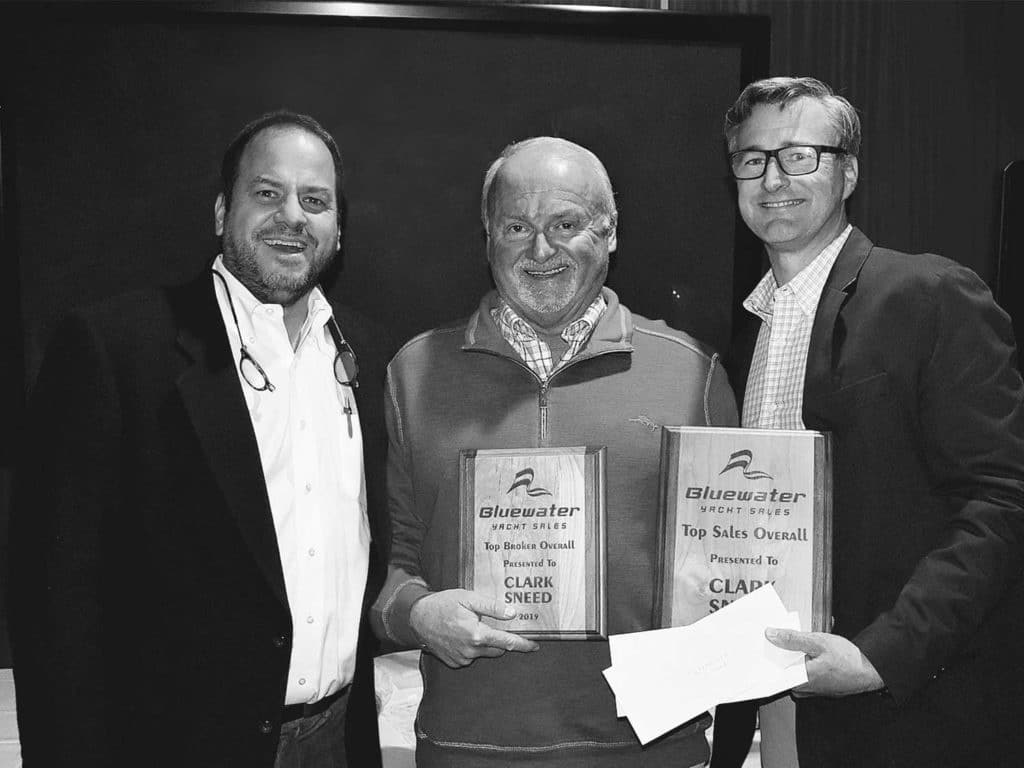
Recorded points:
(534,350)
(775,387)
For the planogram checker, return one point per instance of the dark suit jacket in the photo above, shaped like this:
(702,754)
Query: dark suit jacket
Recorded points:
(911,367)
(149,620)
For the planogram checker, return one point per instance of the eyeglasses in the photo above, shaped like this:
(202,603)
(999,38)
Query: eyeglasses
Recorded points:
(794,161)
(346,368)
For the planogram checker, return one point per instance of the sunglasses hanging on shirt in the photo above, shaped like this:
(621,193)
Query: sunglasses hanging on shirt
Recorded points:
(346,367)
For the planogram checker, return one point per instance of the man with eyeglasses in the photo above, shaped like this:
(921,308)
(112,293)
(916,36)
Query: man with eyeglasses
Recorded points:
(549,359)
(909,363)
(203,481)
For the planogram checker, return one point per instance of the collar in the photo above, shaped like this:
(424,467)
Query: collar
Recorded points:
(613,330)
(248,307)
(514,327)
(806,286)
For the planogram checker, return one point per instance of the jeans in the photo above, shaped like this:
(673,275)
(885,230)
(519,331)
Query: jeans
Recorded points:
(315,742)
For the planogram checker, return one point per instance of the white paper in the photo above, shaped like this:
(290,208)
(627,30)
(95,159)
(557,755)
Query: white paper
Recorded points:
(665,677)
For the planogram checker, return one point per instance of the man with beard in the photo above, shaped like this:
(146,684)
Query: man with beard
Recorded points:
(549,359)
(192,528)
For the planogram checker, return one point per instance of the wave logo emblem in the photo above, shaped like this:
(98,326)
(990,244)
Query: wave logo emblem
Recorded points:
(524,479)
(742,460)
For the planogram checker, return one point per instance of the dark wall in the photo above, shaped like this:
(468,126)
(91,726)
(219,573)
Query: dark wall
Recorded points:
(115,179)
(1010,283)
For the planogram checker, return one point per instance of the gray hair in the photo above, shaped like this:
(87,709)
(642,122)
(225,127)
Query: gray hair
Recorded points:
(605,202)
(785,90)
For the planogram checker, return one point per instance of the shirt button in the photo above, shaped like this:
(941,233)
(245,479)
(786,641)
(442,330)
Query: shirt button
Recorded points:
(309,619)
(312,552)
(302,681)
(251,339)
(309,487)
(266,727)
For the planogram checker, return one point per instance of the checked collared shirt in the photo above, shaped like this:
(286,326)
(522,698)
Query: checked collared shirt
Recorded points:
(534,351)
(775,387)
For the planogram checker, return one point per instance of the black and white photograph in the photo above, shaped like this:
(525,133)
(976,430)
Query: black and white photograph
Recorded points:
(275,268)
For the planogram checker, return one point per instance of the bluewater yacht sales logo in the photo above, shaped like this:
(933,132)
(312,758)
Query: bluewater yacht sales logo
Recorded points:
(523,483)
(524,479)
(742,460)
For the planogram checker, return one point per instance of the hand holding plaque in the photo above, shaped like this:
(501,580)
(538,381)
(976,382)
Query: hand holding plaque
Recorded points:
(532,531)
(450,625)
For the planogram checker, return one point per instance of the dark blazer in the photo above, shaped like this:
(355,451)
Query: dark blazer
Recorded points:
(149,620)
(912,368)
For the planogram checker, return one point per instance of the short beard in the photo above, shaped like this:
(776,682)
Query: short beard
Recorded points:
(549,300)
(271,288)
(544,301)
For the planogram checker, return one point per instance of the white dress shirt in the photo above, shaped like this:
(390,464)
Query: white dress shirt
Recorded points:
(312,457)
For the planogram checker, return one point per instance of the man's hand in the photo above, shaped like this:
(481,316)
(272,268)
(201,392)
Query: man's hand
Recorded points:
(835,666)
(448,625)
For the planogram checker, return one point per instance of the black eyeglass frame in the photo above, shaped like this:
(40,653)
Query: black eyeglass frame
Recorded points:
(344,354)
(770,153)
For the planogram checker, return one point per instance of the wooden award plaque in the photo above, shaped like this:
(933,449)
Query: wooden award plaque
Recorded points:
(740,508)
(532,536)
